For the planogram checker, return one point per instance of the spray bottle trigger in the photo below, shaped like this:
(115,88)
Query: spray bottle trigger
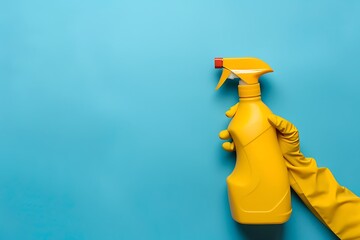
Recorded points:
(225,74)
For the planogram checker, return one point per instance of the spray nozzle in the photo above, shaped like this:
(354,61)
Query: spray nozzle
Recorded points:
(247,69)
(218,62)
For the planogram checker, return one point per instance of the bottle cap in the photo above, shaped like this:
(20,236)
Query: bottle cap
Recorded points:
(218,62)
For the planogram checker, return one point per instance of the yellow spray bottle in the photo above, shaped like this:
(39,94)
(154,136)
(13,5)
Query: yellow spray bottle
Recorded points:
(258,188)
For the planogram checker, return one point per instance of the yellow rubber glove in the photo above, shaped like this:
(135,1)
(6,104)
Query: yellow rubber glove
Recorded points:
(224,134)
(334,205)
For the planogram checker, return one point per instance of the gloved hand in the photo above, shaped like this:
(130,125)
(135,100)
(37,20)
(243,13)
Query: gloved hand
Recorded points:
(334,205)
(288,138)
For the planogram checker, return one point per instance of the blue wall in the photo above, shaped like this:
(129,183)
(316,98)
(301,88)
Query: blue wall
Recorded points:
(109,118)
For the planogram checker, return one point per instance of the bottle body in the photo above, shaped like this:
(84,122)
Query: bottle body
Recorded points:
(258,188)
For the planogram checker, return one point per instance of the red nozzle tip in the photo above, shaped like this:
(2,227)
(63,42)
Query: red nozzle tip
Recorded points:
(218,62)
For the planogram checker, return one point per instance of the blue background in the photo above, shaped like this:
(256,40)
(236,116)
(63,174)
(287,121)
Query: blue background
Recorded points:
(109,117)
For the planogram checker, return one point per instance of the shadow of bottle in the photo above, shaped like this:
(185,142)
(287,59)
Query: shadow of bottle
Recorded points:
(261,232)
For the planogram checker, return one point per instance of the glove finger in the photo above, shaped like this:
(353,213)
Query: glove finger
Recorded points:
(224,134)
(228,146)
(286,128)
(231,112)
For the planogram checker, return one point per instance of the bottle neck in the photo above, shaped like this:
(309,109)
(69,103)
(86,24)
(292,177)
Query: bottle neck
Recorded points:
(249,91)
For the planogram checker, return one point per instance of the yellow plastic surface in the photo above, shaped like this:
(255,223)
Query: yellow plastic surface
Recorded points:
(258,188)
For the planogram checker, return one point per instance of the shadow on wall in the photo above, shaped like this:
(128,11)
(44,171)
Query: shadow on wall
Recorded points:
(261,232)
